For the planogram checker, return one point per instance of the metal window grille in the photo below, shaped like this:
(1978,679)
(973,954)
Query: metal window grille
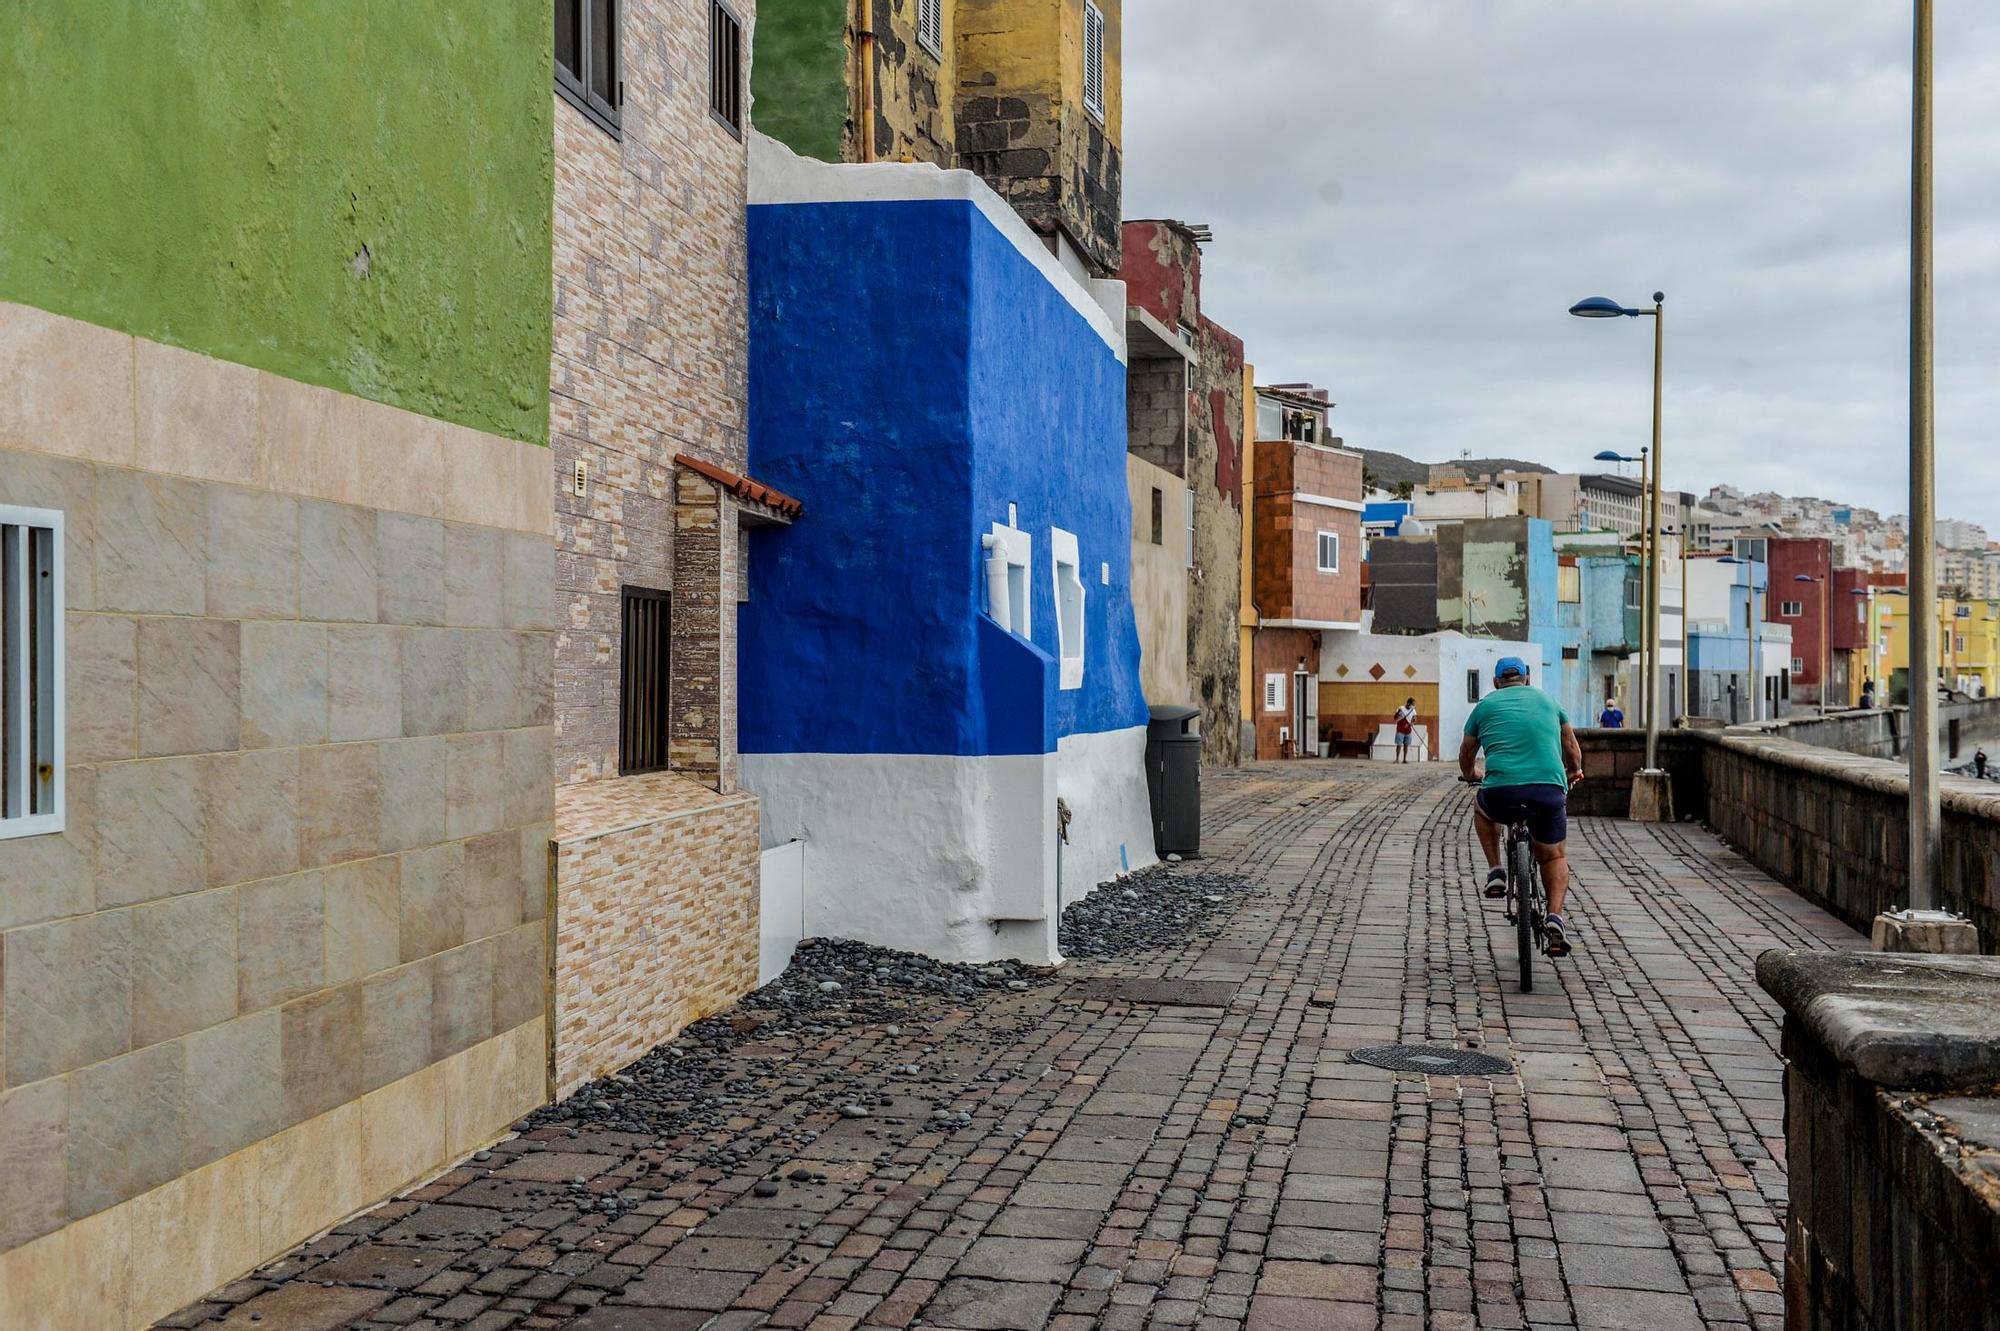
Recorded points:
(643,681)
(31,671)
(1274,693)
(725,65)
(1093,59)
(930,26)
(590,70)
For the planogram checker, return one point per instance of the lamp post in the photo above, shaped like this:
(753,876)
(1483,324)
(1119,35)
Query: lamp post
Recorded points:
(1652,794)
(1825,632)
(1925,810)
(1643,702)
(1866,603)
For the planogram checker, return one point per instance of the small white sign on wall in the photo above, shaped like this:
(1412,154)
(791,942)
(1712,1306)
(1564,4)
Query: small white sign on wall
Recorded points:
(1274,693)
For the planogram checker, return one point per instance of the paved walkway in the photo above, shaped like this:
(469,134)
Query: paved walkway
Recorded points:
(1199,1155)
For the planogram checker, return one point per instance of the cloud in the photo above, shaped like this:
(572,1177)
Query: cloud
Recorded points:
(1408,194)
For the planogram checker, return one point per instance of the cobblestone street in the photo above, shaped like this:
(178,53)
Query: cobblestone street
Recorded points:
(1194,1152)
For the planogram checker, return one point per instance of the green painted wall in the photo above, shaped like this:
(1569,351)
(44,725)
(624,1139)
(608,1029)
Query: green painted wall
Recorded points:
(354,193)
(799,75)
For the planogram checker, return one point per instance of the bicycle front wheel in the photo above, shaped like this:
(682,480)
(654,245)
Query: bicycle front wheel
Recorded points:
(1521,883)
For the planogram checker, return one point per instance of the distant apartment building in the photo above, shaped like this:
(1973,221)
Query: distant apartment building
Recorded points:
(1305,559)
(1184,415)
(1971,574)
(1805,606)
(1957,534)
(274,396)
(1853,642)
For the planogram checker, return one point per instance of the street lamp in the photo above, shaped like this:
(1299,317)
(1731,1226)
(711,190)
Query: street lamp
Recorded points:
(1646,556)
(1868,638)
(1825,632)
(1925,810)
(1652,793)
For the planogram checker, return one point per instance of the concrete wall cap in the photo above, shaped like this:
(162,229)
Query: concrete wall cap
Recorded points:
(1895,1019)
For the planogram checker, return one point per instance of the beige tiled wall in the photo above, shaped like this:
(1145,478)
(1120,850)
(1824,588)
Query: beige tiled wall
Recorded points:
(656,916)
(309,764)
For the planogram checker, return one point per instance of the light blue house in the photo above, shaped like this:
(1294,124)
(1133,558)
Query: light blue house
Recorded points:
(938,676)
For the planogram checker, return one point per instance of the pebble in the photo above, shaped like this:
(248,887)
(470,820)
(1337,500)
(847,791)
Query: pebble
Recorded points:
(1156,907)
(853,1111)
(765,1189)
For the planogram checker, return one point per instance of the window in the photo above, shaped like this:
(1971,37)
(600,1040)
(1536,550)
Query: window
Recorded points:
(1472,686)
(1569,583)
(1329,552)
(1572,653)
(1159,516)
(31,671)
(1798,665)
(1861,612)
(930,26)
(1270,419)
(642,681)
(589,74)
(1093,59)
(1069,608)
(1791,609)
(1274,693)
(725,66)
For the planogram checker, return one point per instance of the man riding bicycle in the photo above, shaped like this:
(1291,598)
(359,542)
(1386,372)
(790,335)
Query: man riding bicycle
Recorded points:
(1532,759)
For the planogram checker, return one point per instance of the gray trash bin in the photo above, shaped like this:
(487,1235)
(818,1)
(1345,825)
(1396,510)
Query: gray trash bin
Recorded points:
(1173,779)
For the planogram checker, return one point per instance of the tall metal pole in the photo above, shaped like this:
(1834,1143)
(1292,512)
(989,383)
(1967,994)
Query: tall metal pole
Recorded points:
(1924,802)
(1826,632)
(1644,702)
(1653,568)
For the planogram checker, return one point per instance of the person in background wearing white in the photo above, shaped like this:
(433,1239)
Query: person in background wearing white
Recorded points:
(1406,729)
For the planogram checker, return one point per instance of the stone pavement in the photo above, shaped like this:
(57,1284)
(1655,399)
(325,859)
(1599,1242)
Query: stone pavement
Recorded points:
(1197,1153)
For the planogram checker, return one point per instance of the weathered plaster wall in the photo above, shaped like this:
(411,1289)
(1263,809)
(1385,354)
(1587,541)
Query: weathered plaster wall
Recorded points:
(803,51)
(1160,578)
(913,85)
(355,196)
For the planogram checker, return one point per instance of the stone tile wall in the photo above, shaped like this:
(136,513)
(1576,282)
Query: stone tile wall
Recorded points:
(650,359)
(656,916)
(309,764)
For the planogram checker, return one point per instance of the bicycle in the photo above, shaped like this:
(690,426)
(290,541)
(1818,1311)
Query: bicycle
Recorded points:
(1527,901)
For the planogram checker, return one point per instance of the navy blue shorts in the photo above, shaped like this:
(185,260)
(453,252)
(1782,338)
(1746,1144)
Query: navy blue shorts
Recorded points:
(1545,809)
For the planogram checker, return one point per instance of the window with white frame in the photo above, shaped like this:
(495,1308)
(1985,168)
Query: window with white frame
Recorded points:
(1791,609)
(930,26)
(1274,692)
(1798,665)
(1093,59)
(1069,608)
(31,671)
(1329,552)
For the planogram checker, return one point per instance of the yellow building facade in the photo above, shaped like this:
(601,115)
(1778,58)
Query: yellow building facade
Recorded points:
(1968,645)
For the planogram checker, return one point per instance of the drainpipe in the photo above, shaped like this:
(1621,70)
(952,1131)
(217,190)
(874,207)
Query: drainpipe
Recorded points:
(864,53)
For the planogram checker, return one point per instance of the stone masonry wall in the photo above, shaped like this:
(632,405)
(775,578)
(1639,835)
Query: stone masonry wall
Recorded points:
(309,780)
(1882,1231)
(650,354)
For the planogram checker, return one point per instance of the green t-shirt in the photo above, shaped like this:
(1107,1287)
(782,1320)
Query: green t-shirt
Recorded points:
(1520,727)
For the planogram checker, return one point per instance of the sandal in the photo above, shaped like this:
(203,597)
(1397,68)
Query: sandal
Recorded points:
(1496,883)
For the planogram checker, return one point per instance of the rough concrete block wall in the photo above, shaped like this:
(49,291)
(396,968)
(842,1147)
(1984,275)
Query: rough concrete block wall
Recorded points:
(650,353)
(309,768)
(1156,413)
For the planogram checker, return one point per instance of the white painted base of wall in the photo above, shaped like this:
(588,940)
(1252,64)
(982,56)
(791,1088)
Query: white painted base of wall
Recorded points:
(781,907)
(1102,778)
(955,857)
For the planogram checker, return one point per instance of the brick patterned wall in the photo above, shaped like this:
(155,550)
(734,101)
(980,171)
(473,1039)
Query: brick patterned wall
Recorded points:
(656,916)
(308,764)
(650,354)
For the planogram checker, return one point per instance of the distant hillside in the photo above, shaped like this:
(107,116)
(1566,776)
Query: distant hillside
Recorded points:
(1391,469)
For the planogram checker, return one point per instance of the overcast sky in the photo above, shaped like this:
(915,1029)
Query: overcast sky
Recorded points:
(1408,194)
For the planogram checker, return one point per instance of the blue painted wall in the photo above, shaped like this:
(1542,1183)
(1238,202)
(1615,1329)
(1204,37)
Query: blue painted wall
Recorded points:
(912,373)
(1554,626)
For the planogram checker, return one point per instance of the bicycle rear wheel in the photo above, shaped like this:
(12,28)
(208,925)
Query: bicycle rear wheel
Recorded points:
(1520,884)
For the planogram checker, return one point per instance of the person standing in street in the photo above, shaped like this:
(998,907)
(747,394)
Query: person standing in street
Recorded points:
(1979,763)
(1613,716)
(1867,693)
(1406,729)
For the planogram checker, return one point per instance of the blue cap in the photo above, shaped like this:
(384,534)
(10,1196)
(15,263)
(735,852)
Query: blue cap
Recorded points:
(1509,665)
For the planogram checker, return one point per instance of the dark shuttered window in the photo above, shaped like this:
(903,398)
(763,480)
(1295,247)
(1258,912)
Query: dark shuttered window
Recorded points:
(589,69)
(725,66)
(642,683)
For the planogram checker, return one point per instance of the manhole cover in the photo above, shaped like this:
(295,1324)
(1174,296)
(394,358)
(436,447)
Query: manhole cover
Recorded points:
(1432,1059)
